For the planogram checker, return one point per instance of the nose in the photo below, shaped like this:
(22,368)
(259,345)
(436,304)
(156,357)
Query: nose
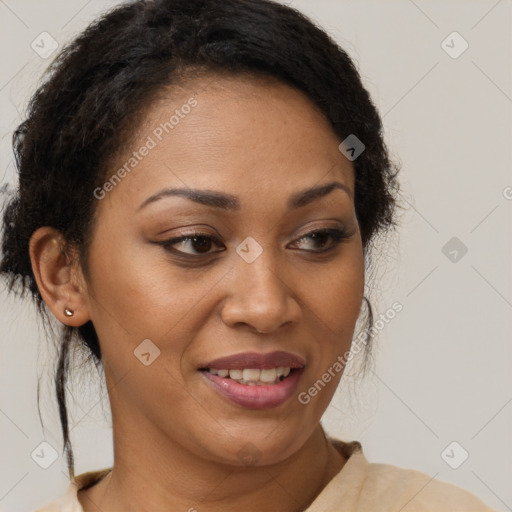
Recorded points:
(260,298)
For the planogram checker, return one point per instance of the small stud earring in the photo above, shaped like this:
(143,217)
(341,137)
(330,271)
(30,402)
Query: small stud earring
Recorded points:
(68,312)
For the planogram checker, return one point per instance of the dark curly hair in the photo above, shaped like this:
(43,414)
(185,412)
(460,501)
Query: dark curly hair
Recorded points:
(99,83)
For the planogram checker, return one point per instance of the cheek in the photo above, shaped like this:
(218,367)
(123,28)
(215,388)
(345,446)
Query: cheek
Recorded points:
(137,298)
(334,302)
(339,304)
(135,285)
(335,294)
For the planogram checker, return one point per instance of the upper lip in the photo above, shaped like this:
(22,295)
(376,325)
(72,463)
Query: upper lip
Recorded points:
(256,360)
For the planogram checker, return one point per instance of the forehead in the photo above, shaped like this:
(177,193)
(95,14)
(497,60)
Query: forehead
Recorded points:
(242,135)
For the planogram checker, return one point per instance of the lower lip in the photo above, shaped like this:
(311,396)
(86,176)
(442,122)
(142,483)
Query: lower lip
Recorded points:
(256,397)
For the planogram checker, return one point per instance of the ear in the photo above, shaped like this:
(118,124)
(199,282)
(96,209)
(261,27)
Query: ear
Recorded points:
(58,276)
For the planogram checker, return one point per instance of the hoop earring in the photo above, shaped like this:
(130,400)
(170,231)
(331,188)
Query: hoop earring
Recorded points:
(68,312)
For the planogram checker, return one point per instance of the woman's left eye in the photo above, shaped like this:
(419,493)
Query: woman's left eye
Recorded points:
(321,236)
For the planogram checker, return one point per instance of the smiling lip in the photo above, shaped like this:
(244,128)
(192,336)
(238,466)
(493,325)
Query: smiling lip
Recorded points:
(255,360)
(260,396)
(255,397)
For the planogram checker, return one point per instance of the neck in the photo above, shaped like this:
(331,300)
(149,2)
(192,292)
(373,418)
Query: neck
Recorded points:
(151,473)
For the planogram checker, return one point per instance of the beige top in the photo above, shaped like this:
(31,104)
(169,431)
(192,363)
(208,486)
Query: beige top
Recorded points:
(358,487)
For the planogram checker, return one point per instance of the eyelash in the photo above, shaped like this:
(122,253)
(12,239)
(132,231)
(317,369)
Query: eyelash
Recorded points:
(337,235)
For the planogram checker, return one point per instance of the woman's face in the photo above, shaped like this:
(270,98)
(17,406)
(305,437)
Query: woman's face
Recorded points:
(240,155)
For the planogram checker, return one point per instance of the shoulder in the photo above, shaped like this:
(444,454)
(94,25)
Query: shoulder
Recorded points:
(66,503)
(69,501)
(364,486)
(415,491)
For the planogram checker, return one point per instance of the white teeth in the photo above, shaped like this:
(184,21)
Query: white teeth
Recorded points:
(235,374)
(255,376)
(268,375)
(251,375)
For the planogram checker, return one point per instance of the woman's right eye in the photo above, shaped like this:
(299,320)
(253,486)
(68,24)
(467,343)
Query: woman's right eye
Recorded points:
(193,244)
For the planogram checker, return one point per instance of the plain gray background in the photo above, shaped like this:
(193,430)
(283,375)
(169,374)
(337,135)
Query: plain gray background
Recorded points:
(443,364)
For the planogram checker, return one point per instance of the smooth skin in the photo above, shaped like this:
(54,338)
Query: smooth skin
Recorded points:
(177,441)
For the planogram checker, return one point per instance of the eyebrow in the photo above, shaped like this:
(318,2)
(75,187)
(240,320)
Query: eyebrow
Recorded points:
(229,202)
